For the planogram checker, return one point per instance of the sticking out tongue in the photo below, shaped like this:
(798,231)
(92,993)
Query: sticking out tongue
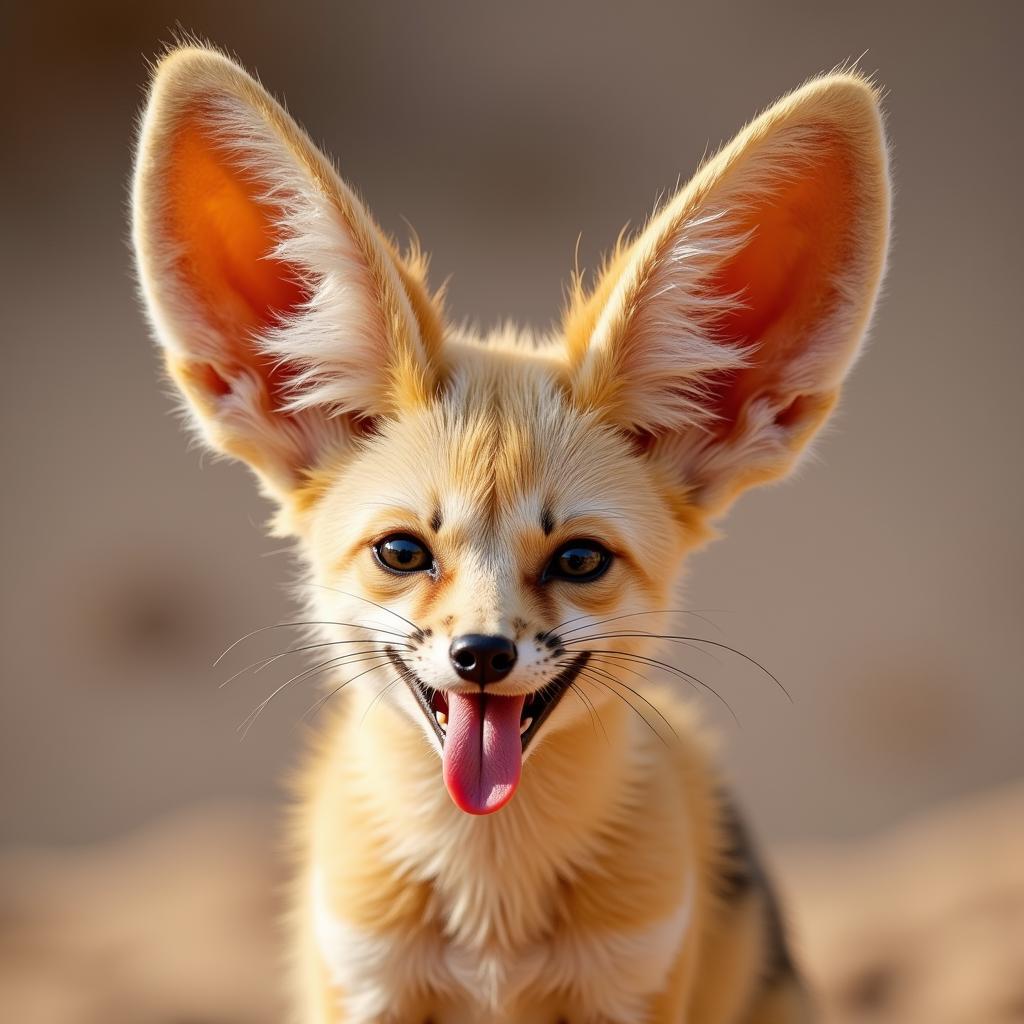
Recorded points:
(483,754)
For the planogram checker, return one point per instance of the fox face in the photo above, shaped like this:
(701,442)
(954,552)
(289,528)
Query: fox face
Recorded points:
(490,525)
(491,522)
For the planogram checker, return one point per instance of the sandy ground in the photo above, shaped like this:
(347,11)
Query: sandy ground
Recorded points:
(176,924)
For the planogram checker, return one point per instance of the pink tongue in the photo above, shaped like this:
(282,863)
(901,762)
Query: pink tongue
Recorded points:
(483,754)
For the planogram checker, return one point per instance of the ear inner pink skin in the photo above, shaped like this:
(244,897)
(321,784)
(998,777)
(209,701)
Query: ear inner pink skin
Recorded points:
(483,751)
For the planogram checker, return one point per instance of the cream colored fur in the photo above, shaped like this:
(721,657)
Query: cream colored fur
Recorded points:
(703,360)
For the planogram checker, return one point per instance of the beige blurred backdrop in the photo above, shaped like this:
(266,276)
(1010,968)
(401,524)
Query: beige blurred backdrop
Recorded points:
(883,585)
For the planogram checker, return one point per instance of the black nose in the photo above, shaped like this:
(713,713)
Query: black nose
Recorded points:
(482,659)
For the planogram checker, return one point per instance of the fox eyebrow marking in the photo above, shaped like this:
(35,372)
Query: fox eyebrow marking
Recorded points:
(436,520)
(547,521)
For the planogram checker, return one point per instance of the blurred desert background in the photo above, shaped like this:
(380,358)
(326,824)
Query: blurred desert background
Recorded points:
(139,875)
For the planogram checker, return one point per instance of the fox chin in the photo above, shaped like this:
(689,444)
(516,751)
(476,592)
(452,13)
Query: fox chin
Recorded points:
(505,817)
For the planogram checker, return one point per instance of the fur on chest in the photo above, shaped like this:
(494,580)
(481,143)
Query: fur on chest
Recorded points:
(550,910)
(590,973)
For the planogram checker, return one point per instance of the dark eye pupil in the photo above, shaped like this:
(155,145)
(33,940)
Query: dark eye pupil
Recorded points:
(404,554)
(579,560)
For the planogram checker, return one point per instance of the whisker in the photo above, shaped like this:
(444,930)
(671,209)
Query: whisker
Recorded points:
(250,720)
(297,624)
(633,615)
(654,663)
(589,705)
(310,673)
(586,672)
(359,597)
(654,636)
(690,641)
(263,663)
(278,551)
(314,708)
(401,677)
(614,678)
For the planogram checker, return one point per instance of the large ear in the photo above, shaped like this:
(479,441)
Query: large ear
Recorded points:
(287,319)
(722,334)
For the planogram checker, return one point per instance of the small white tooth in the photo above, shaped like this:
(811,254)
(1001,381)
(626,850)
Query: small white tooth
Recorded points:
(524,725)
(442,719)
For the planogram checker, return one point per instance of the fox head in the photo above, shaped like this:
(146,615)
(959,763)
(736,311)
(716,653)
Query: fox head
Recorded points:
(480,512)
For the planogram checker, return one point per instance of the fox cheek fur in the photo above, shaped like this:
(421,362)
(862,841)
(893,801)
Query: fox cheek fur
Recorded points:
(491,526)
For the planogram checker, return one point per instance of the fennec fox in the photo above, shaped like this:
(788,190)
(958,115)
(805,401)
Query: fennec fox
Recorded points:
(502,822)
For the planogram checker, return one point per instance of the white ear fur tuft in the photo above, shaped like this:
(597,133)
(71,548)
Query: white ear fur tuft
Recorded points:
(654,351)
(336,335)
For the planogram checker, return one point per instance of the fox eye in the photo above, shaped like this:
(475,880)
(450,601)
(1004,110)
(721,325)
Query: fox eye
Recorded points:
(402,553)
(579,561)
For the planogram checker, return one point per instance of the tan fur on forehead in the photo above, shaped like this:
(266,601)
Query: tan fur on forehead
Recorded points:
(504,448)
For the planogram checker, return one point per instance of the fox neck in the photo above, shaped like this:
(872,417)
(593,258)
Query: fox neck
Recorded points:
(496,867)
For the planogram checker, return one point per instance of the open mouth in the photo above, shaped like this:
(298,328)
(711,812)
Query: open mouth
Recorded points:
(483,736)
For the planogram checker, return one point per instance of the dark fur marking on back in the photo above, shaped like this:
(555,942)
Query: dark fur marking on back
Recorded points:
(741,875)
(779,964)
(740,870)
